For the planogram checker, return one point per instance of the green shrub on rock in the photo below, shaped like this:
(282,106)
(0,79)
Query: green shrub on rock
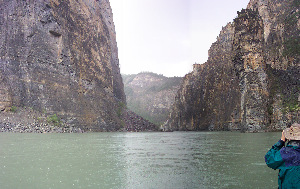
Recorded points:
(54,120)
(13,109)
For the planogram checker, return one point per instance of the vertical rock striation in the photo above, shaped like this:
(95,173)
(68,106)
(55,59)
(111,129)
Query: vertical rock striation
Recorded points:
(251,80)
(281,52)
(209,93)
(61,57)
(250,67)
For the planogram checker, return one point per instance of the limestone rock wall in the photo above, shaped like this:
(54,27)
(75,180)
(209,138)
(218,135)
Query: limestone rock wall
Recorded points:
(251,81)
(209,93)
(250,68)
(281,51)
(61,57)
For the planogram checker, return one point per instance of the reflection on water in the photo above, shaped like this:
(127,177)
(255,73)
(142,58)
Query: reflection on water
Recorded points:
(136,160)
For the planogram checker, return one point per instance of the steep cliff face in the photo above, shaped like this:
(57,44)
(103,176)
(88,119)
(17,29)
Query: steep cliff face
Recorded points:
(250,68)
(281,52)
(151,95)
(251,81)
(61,57)
(209,93)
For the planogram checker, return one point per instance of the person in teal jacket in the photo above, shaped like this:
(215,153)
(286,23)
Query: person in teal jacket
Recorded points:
(286,159)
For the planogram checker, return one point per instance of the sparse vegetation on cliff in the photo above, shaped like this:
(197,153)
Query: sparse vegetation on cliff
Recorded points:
(291,104)
(54,120)
(13,109)
(120,109)
(292,47)
(296,3)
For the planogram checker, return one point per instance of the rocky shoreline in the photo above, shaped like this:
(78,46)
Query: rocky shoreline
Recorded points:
(37,128)
(136,123)
(27,120)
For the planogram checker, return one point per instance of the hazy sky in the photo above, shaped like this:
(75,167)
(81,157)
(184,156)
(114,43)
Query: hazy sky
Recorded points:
(168,36)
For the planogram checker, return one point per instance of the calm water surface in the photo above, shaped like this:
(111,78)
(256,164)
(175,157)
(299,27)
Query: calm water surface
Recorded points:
(136,160)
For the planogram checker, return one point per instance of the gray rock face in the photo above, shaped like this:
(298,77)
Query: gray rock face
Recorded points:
(61,57)
(250,68)
(252,77)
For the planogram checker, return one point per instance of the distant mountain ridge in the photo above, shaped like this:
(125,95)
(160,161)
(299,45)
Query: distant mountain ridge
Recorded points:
(150,95)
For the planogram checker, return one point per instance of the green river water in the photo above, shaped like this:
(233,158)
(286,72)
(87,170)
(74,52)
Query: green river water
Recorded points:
(136,160)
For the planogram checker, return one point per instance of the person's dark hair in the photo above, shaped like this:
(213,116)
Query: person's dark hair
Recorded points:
(289,125)
(294,143)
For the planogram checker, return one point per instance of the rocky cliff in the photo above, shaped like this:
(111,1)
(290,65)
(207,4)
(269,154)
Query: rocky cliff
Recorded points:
(60,57)
(151,95)
(251,80)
